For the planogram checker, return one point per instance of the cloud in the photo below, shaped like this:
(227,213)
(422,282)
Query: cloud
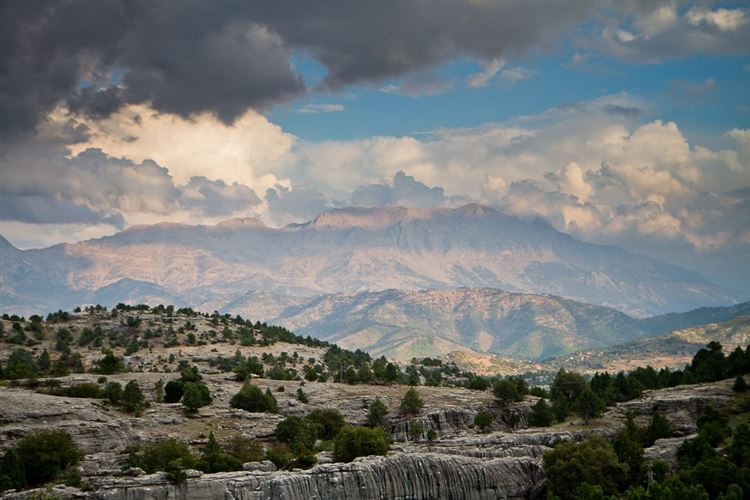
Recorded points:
(321,108)
(724,19)
(200,146)
(298,203)
(652,32)
(489,71)
(405,191)
(419,84)
(237,56)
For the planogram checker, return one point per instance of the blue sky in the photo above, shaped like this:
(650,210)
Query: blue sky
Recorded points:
(706,94)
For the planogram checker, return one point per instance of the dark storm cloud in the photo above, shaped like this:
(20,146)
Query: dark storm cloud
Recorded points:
(189,57)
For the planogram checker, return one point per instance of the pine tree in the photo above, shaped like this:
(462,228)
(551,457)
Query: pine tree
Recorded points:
(133,400)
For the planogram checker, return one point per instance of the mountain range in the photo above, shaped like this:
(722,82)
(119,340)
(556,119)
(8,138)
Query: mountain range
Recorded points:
(404,324)
(349,251)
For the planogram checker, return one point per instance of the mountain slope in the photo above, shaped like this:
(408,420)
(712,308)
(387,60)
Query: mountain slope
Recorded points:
(349,251)
(403,324)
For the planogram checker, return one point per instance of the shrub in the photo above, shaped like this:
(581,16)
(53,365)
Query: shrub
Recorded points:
(411,403)
(244,449)
(298,433)
(376,413)
(483,420)
(589,405)
(302,397)
(159,455)
(353,442)
(591,461)
(21,364)
(84,390)
(431,435)
(45,454)
(506,391)
(329,421)
(195,395)
(739,384)
(12,473)
(173,391)
(133,400)
(541,414)
(659,427)
(416,429)
(215,459)
(109,364)
(252,399)
(113,392)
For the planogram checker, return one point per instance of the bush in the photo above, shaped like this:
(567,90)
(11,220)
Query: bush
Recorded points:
(298,433)
(589,405)
(431,435)
(329,421)
(84,390)
(215,459)
(353,442)
(411,403)
(506,391)
(195,396)
(376,414)
(252,399)
(739,384)
(244,449)
(109,364)
(158,456)
(173,391)
(659,427)
(541,414)
(113,392)
(483,420)
(301,396)
(21,364)
(416,429)
(591,461)
(133,400)
(45,454)
(12,473)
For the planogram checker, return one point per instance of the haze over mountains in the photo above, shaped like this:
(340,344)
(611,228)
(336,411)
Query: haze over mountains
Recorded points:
(349,251)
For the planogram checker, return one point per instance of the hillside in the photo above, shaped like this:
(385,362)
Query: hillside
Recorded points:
(672,350)
(403,324)
(346,251)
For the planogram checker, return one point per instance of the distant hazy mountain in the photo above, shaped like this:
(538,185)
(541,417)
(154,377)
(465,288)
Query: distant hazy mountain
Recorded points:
(671,350)
(349,250)
(403,324)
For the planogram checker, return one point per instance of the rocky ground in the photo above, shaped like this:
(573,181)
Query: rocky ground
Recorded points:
(461,463)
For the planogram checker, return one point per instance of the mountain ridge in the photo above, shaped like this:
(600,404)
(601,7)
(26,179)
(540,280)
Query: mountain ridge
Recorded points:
(351,250)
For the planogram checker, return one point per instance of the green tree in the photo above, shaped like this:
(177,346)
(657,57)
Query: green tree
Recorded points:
(251,398)
(658,427)
(159,391)
(12,473)
(45,454)
(21,364)
(329,421)
(195,395)
(113,392)
(215,459)
(627,446)
(541,414)
(300,434)
(159,455)
(416,429)
(173,391)
(739,384)
(483,420)
(376,413)
(506,391)
(591,461)
(589,405)
(411,403)
(109,364)
(133,400)
(353,442)
(301,396)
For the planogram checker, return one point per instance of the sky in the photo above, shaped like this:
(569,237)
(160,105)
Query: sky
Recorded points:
(622,123)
